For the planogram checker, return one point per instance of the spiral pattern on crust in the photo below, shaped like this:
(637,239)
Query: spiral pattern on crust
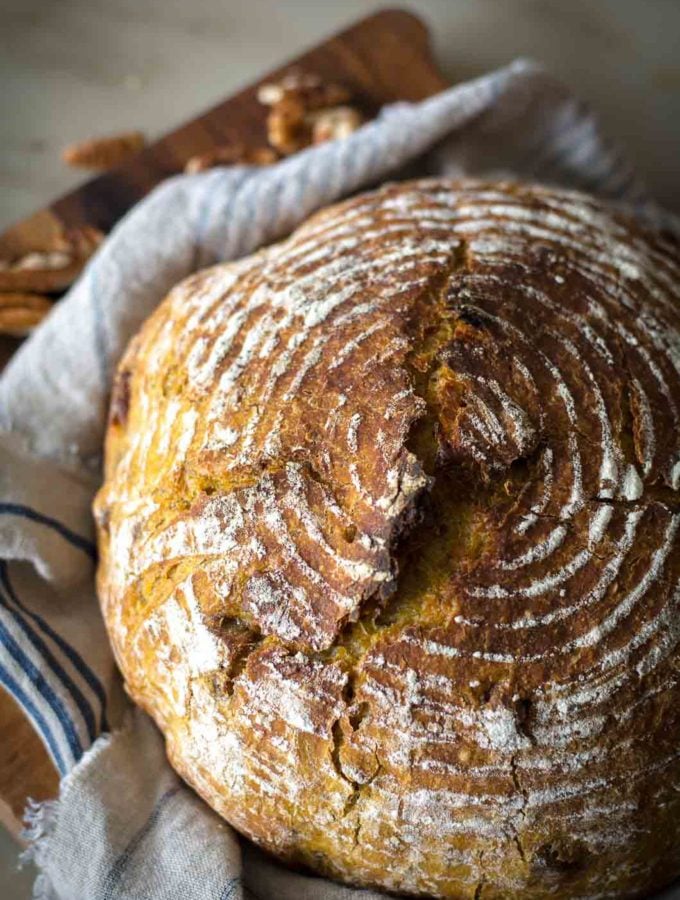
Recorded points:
(389,542)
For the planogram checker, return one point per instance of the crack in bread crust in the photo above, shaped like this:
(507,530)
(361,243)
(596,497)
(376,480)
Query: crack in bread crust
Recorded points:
(389,542)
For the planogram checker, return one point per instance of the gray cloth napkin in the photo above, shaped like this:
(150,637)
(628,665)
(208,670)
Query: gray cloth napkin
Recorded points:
(124,825)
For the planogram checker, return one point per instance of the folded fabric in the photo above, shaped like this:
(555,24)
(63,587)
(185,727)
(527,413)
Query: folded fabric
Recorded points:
(124,825)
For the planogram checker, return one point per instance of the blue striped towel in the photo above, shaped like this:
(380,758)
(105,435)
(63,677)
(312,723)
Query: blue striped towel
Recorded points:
(124,826)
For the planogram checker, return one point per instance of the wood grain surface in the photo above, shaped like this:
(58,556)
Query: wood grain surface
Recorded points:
(26,769)
(383,58)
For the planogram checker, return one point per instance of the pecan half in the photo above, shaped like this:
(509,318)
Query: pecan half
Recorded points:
(232,155)
(103,152)
(54,268)
(334,124)
(304,88)
(21,312)
(288,128)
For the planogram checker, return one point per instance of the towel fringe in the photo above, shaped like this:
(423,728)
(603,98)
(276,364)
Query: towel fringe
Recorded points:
(40,819)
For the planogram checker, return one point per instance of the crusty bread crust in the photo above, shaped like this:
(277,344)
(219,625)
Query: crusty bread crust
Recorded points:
(389,542)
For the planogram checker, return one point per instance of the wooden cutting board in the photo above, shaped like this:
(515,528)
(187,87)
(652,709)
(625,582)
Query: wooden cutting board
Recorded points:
(383,58)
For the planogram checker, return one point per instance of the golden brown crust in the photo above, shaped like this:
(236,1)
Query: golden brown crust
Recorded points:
(389,542)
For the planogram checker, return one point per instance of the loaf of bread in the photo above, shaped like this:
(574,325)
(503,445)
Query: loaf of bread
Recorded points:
(389,543)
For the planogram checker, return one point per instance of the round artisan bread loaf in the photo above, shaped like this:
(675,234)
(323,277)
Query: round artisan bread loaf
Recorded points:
(389,542)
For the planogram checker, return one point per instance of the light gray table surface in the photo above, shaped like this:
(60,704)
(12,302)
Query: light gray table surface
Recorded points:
(73,68)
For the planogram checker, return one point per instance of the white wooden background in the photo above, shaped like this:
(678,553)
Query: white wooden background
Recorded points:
(72,68)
